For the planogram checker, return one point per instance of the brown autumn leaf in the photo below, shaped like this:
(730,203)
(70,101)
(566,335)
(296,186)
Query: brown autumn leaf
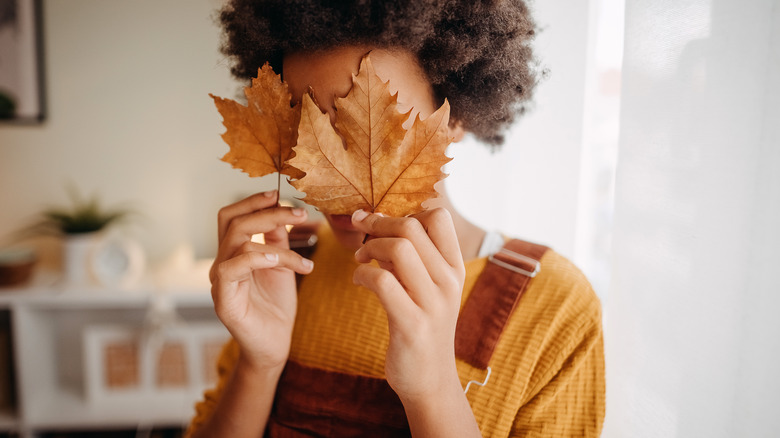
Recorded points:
(378,166)
(262,134)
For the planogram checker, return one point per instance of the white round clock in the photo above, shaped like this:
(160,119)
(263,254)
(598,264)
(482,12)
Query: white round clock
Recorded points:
(118,261)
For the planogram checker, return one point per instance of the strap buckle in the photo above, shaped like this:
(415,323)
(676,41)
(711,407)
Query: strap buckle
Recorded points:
(514,261)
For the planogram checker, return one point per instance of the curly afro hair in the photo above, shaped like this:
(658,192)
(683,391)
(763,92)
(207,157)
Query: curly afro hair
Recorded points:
(476,53)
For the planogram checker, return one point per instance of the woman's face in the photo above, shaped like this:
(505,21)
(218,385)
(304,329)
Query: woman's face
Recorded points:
(329,75)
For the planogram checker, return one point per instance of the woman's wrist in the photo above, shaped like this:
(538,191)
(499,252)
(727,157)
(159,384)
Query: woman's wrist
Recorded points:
(444,412)
(445,388)
(247,369)
(245,404)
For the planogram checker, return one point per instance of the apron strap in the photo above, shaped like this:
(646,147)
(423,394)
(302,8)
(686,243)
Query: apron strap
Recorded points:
(493,298)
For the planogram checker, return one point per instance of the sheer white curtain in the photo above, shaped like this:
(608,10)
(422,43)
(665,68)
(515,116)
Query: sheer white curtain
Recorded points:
(693,313)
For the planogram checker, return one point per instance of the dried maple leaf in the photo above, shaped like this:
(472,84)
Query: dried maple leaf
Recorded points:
(378,166)
(262,134)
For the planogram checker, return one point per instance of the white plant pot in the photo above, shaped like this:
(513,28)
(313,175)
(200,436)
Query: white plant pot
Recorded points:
(78,250)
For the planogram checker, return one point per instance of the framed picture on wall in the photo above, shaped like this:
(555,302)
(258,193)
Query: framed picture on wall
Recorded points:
(21,61)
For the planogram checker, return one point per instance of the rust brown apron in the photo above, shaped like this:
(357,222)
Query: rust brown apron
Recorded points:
(311,402)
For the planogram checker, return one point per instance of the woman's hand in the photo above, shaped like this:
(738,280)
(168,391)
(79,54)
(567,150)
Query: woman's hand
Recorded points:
(419,282)
(253,285)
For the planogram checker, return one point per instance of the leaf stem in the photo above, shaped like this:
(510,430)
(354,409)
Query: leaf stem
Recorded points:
(278,187)
(365,238)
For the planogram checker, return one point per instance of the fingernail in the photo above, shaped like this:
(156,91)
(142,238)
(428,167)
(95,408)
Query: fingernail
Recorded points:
(297,212)
(379,214)
(272,257)
(359,215)
(270,193)
(308,264)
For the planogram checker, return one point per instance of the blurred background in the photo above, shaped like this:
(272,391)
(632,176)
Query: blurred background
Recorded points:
(651,158)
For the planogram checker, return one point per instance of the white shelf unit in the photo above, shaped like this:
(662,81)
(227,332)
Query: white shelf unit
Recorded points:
(46,334)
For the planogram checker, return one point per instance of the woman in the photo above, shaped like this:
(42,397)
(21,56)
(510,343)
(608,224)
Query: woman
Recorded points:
(379,349)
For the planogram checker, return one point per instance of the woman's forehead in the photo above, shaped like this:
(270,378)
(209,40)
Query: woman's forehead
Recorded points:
(329,75)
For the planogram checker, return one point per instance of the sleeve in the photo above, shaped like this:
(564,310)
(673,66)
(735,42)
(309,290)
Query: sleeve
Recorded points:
(205,408)
(572,402)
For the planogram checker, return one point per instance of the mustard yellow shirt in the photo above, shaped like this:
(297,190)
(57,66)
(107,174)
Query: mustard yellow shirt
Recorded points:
(547,370)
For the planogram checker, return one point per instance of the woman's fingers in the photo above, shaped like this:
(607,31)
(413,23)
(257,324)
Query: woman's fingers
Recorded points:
(270,222)
(432,234)
(258,201)
(395,300)
(441,230)
(279,236)
(253,256)
(240,267)
(399,256)
(408,228)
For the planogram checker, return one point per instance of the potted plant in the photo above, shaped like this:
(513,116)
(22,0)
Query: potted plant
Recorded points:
(80,225)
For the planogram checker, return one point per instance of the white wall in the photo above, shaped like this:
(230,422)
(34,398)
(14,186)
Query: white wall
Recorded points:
(691,321)
(529,188)
(129,118)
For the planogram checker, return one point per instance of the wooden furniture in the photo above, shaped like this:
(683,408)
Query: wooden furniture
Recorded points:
(45,352)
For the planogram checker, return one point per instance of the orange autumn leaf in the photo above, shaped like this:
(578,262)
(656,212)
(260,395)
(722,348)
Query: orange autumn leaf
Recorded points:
(262,134)
(378,166)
